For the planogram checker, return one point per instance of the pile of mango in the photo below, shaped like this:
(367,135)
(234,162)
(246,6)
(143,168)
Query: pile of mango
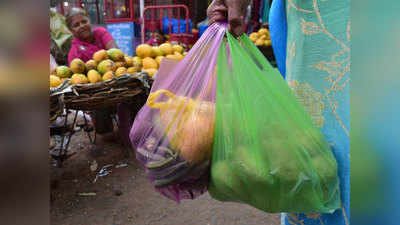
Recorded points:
(150,57)
(105,65)
(261,37)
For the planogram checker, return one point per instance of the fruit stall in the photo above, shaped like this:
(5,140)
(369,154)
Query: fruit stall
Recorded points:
(109,79)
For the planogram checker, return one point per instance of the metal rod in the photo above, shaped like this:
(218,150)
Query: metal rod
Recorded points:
(88,132)
(105,8)
(152,22)
(63,135)
(142,19)
(179,20)
(112,9)
(170,11)
(71,133)
(98,11)
(170,23)
(131,10)
(161,18)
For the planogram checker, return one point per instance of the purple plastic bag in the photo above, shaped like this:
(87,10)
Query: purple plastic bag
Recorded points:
(173,133)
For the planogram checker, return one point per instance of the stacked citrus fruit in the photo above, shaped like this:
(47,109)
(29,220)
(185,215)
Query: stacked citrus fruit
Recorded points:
(105,65)
(261,37)
(149,57)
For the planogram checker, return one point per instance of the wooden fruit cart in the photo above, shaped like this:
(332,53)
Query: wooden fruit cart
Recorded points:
(69,100)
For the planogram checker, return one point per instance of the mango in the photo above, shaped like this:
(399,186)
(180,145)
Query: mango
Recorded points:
(149,63)
(156,51)
(224,178)
(108,75)
(178,48)
(143,50)
(77,66)
(120,71)
(263,31)
(100,56)
(137,62)
(254,37)
(91,65)
(116,55)
(79,79)
(63,72)
(260,42)
(132,70)
(105,66)
(94,76)
(166,48)
(177,57)
(180,56)
(120,64)
(54,81)
(128,61)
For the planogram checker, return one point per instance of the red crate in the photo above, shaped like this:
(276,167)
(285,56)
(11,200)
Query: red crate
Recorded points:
(153,19)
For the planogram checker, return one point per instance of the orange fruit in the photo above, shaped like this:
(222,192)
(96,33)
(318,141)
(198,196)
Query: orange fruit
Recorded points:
(120,71)
(149,63)
(144,50)
(108,75)
(94,76)
(178,48)
(166,48)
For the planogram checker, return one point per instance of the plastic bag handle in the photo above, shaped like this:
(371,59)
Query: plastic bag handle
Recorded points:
(151,100)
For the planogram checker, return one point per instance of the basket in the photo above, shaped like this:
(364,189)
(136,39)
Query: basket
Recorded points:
(128,88)
(56,106)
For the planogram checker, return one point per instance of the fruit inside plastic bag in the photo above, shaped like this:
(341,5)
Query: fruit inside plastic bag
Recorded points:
(267,152)
(188,123)
(173,133)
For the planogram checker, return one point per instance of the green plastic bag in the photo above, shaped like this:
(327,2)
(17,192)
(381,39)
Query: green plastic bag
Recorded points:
(267,152)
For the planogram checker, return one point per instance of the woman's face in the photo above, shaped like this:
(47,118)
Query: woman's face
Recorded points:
(158,37)
(81,28)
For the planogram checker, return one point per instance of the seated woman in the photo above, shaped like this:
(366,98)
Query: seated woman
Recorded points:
(157,38)
(87,41)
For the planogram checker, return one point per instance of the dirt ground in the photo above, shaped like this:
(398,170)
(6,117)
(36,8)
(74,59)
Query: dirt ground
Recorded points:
(125,196)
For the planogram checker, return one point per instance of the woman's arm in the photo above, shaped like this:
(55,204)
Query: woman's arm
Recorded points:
(111,44)
(106,38)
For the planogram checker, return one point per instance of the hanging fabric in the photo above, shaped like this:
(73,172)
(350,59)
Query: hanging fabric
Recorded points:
(278,31)
(265,11)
